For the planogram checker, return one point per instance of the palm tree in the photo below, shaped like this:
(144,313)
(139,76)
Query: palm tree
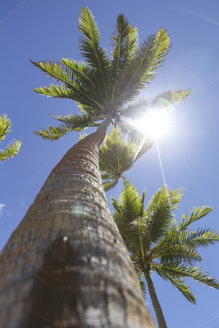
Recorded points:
(66,262)
(158,244)
(13,148)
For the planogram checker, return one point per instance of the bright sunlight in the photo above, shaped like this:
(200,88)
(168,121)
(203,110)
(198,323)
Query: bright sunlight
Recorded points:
(155,123)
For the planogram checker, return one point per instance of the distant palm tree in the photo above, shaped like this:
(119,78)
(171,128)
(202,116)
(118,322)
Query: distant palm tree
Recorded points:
(66,262)
(156,242)
(13,148)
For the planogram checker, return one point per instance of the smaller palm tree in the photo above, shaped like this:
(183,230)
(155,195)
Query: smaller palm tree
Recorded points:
(13,148)
(156,242)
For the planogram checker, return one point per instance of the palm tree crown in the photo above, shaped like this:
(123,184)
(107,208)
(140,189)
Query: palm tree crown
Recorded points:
(13,148)
(102,85)
(156,241)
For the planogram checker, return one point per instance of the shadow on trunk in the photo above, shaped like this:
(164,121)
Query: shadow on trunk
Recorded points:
(60,291)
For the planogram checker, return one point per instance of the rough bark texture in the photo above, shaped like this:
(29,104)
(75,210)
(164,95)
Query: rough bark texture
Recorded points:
(156,304)
(66,264)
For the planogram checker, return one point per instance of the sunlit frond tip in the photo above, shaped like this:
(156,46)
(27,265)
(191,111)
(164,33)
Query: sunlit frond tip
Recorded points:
(11,150)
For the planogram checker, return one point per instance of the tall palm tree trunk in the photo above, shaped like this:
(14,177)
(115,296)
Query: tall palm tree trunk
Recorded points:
(156,304)
(66,264)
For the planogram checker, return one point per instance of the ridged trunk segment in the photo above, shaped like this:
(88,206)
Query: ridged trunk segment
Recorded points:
(66,264)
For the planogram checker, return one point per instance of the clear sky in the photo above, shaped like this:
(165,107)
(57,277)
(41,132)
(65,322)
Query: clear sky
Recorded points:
(47,30)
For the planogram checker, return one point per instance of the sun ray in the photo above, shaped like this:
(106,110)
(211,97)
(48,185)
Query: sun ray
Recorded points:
(139,148)
(3,20)
(162,169)
(210,20)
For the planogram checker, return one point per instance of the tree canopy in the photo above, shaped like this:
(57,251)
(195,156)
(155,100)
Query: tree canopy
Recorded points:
(103,85)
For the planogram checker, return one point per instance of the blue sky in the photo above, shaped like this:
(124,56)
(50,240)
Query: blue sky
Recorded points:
(47,29)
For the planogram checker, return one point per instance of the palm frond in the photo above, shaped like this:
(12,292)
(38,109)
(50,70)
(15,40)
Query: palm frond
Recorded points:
(75,122)
(157,53)
(131,132)
(143,288)
(107,184)
(86,74)
(142,147)
(118,213)
(196,214)
(177,253)
(55,91)
(53,133)
(183,238)
(125,43)
(176,282)
(191,272)
(163,100)
(127,211)
(5,125)
(56,71)
(78,92)
(200,237)
(142,203)
(140,71)
(157,216)
(90,48)
(10,151)
(175,197)
(131,202)
(118,155)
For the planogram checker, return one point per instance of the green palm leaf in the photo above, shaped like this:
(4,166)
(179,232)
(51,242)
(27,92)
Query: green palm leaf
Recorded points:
(118,155)
(157,216)
(200,237)
(75,122)
(56,71)
(5,125)
(176,282)
(142,285)
(196,214)
(53,133)
(55,91)
(125,42)
(86,75)
(148,58)
(90,48)
(177,253)
(130,202)
(163,100)
(11,150)
(191,272)
(61,73)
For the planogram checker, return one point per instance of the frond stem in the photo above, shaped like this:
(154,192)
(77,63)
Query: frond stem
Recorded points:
(112,185)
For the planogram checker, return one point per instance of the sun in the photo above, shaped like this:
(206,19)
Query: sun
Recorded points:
(155,123)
